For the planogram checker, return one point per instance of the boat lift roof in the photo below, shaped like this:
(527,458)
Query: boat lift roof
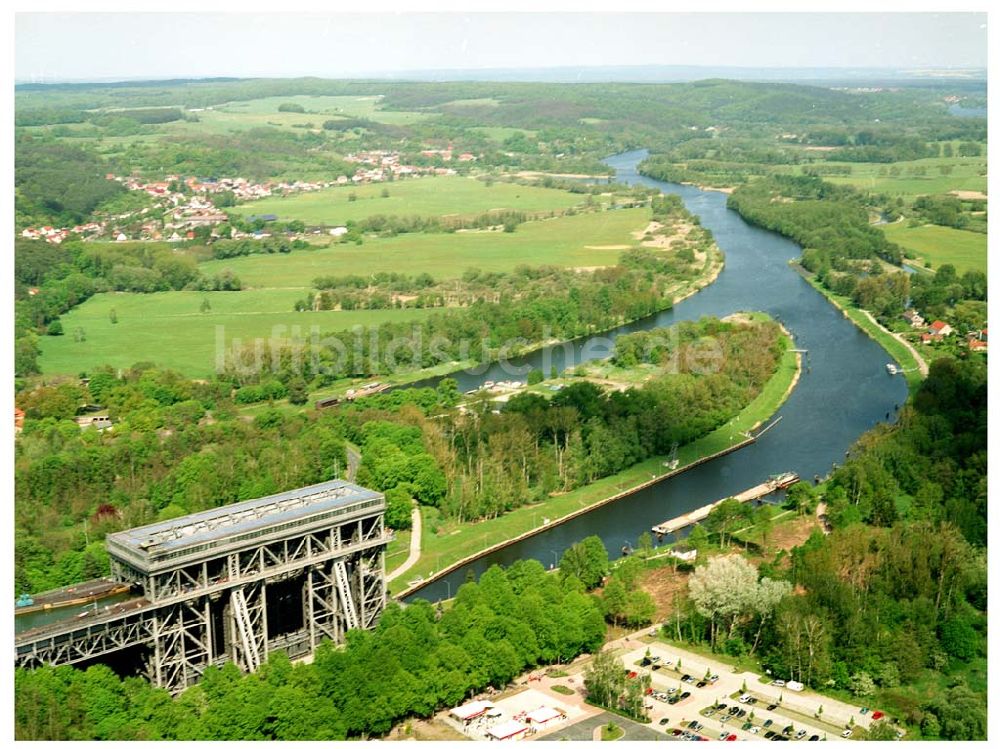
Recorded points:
(254,516)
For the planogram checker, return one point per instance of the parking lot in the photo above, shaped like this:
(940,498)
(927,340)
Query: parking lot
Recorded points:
(766,710)
(762,711)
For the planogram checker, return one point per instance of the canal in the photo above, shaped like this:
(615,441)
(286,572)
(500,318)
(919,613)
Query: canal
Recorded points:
(843,391)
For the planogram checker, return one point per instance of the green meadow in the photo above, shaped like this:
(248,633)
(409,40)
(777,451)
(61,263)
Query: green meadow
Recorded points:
(366,107)
(169,328)
(966,173)
(966,250)
(423,196)
(583,240)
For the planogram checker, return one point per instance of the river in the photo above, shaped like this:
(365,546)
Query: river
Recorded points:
(844,389)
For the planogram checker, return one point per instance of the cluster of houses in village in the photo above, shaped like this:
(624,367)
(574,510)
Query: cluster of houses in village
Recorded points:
(185,210)
(938,330)
(190,208)
(378,166)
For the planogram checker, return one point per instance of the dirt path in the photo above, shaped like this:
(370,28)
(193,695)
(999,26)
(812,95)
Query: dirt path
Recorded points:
(821,517)
(414,556)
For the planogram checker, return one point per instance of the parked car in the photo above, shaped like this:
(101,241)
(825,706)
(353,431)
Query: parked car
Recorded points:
(787,731)
(664,721)
(865,710)
(687,678)
(713,678)
(725,718)
(773,706)
(676,732)
(752,701)
(745,698)
(733,710)
(878,715)
(722,706)
(731,737)
(768,723)
(723,735)
(695,725)
(741,713)
(846,734)
(799,734)
(769,735)
(814,737)
(778,682)
(701,684)
(755,729)
(685,695)
(654,659)
(656,666)
(747,726)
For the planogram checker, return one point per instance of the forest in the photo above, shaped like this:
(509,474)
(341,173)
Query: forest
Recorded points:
(181,446)
(891,606)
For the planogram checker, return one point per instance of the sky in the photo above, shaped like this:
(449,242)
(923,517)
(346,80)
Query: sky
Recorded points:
(65,46)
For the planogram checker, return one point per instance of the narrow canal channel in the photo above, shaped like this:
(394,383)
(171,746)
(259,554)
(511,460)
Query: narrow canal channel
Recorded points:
(844,389)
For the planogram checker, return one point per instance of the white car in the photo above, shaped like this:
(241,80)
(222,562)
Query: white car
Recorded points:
(846,734)
(745,698)
(778,682)
(755,729)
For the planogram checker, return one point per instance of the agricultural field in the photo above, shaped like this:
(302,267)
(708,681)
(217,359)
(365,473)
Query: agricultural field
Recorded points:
(966,250)
(583,240)
(424,196)
(366,107)
(909,179)
(169,328)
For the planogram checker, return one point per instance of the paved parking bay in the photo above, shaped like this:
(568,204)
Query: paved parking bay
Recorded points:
(584,730)
(795,708)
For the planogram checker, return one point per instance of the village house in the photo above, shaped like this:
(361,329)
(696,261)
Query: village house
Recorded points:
(941,328)
(977,340)
(913,317)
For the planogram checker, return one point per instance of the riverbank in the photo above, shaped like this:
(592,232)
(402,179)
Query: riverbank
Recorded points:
(714,264)
(454,547)
(915,368)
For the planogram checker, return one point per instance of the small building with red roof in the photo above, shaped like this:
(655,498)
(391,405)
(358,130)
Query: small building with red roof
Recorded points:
(941,328)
